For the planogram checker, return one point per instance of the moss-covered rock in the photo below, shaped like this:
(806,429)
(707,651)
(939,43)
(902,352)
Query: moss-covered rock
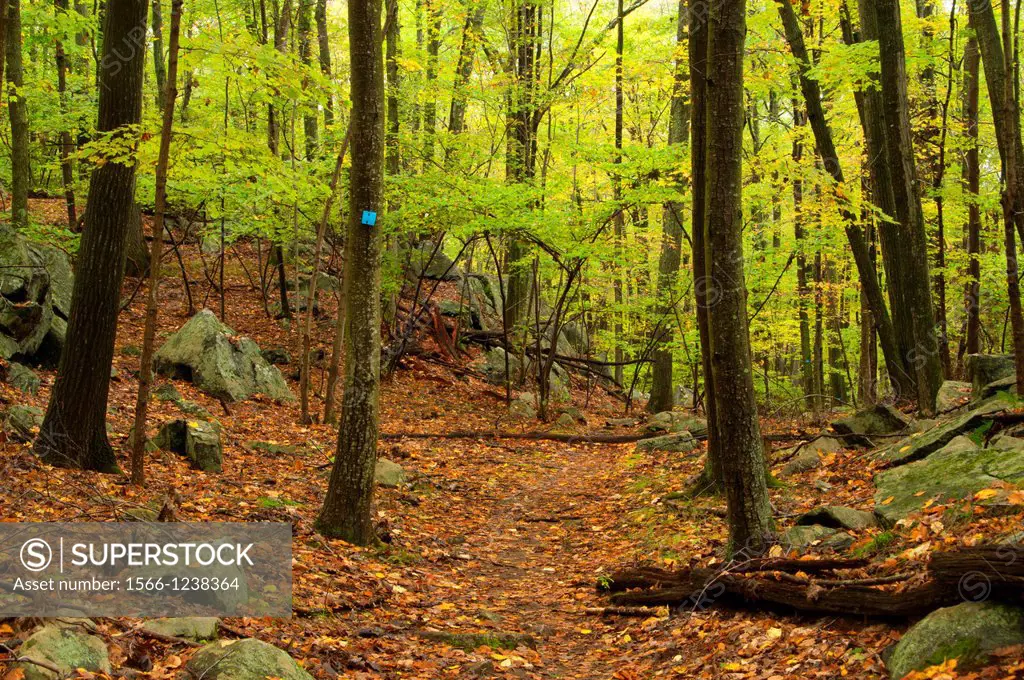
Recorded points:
(952,393)
(954,473)
(968,632)
(494,367)
(676,421)
(862,425)
(22,422)
(679,442)
(388,474)
(188,627)
(210,355)
(67,648)
(924,444)
(23,378)
(984,369)
(248,659)
(197,440)
(838,517)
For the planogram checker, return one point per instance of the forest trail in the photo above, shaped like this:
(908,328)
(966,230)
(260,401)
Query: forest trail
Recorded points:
(538,549)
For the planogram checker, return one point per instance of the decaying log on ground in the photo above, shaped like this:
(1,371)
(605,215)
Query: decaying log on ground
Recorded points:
(707,588)
(814,586)
(981,571)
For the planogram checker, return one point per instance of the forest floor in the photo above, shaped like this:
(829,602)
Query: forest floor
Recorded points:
(491,536)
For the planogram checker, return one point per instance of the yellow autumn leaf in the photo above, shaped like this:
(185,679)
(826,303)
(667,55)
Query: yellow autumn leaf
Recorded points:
(888,500)
(984,494)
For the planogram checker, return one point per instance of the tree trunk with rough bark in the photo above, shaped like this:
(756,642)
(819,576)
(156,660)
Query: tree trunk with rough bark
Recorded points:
(972,185)
(73,433)
(662,388)
(711,479)
(743,465)
(923,356)
(346,512)
(1005,115)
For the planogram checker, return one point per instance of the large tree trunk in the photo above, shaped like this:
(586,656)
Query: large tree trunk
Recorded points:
(923,357)
(972,185)
(903,380)
(346,512)
(711,478)
(739,433)
(73,432)
(1008,138)
(520,161)
(662,398)
(21,172)
(281,29)
(619,221)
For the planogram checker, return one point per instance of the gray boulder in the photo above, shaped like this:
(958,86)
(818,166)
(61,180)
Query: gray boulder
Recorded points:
(952,393)
(494,367)
(801,537)
(565,420)
(838,517)
(919,446)
(196,440)
(23,422)
(676,421)
(985,369)
(679,442)
(187,627)
(427,264)
(683,397)
(388,473)
(524,407)
(954,473)
(35,292)
(879,419)
(968,632)
(209,354)
(67,648)
(809,455)
(248,659)
(23,378)
(167,392)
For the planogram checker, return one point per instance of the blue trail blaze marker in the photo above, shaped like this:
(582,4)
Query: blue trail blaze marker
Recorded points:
(369,218)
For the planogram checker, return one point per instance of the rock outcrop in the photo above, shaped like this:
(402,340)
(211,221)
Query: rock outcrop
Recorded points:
(217,361)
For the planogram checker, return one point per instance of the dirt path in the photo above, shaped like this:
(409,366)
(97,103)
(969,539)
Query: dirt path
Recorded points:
(529,528)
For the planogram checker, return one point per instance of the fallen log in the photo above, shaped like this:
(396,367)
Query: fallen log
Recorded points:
(980,571)
(972,573)
(653,577)
(707,588)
